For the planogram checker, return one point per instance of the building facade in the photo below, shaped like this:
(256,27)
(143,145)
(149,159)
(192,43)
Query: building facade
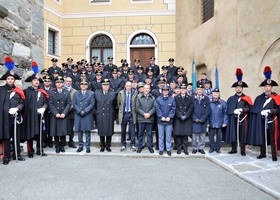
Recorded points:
(123,29)
(240,33)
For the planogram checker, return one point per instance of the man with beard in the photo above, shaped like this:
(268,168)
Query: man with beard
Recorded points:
(34,108)
(60,102)
(265,115)
(238,105)
(11,104)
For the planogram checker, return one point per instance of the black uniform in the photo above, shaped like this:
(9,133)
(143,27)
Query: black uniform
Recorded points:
(59,103)
(11,97)
(35,99)
(105,105)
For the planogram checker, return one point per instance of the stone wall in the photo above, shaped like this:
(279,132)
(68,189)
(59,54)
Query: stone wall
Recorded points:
(241,34)
(21,33)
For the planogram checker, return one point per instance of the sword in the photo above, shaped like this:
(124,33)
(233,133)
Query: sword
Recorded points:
(15,136)
(265,132)
(237,134)
(41,148)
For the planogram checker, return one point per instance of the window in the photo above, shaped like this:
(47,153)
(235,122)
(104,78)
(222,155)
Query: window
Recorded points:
(207,10)
(53,42)
(101,46)
(142,39)
(91,2)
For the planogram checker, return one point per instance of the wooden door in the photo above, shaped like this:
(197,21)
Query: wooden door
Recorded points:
(143,54)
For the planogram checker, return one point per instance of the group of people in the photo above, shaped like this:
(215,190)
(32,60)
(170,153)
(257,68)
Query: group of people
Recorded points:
(83,96)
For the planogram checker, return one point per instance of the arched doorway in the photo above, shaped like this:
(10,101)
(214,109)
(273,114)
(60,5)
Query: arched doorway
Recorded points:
(101,44)
(142,44)
(272,59)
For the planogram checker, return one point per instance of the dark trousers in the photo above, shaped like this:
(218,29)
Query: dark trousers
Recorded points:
(106,143)
(181,142)
(6,144)
(46,130)
(142,127)
(215,144)
(30,144)
(128,118)
(70,129)
(59,141)
(270,134)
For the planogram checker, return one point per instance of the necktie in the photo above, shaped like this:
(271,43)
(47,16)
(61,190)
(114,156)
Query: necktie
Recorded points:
(127,103)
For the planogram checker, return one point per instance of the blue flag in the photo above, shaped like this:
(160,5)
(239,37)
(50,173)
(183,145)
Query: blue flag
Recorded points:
(194,76)
(217,78)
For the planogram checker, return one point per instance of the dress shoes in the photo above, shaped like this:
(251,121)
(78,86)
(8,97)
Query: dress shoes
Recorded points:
(151,150)
(186,152)
(169,153)
(232,151)
(211,150)
(62,149)
(218,150)
(57,150)
(6,161)
(88,150)
(108,149)
(19,158)
(201,151)
(243,154)
(80,149)
(102,149)
(128,138)
(39,153)
(261,156)
(194,151)
(178,152)
(156,148)
(30,154)
(161,153)
(72,145)
(50,145)
(274,158)
(139,150)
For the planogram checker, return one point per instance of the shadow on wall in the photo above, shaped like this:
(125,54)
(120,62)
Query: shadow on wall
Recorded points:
(272,58)
(199,69)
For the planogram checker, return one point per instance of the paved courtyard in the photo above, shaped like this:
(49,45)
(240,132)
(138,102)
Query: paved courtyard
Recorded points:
(132,176)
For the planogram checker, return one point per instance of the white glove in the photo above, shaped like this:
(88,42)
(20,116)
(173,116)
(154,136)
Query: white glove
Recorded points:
(41,110)
(237,111)
(13,111)
(265,112)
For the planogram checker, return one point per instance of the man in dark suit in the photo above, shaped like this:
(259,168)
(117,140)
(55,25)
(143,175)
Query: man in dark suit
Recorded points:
(110,66)
(183,119)
(59,104)
(105,100)
(172,69)
(54,66)
(83,102)
(153,66)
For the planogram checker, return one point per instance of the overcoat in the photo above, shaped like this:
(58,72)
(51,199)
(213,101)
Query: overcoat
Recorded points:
(105,110)
(59,103)
(83,103)
(184,107)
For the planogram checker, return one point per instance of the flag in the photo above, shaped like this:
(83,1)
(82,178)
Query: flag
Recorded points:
(194,76)
(217,78)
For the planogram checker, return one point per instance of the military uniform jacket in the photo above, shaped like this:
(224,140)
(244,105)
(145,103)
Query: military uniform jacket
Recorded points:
(59,103)
(105,110)
(155,68)
(51,70)
(184,107)
(117,84)
(201,112)
(83,102)
(9,99)
(34,99)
